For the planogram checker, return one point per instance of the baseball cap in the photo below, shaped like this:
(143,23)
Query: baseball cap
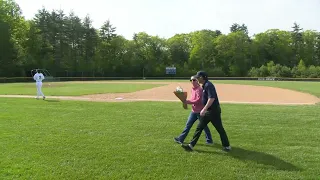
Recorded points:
(201,74)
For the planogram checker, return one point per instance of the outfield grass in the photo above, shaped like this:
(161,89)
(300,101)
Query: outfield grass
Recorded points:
(72,89)
(93,140)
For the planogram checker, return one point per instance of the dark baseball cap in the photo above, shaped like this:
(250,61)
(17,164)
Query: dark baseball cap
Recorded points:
(201,74)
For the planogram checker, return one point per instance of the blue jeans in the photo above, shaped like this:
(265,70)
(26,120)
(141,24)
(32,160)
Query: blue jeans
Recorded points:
(192,118)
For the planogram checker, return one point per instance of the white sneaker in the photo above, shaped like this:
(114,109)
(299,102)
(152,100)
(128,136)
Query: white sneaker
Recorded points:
(228,148)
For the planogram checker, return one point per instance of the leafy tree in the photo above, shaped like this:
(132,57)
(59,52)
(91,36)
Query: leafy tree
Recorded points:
(235,27)
(297,45)
(233,53)
(67,45)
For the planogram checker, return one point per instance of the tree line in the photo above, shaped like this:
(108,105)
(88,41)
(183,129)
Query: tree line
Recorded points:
(67,45)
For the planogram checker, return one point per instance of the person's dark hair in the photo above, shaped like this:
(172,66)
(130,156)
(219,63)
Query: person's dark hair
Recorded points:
(202,74)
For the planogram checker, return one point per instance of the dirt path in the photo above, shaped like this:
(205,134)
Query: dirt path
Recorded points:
(228,93)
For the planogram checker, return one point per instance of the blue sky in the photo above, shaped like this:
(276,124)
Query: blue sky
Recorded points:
(168,17)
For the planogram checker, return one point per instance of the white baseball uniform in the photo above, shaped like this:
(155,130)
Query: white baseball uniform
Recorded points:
(38,77)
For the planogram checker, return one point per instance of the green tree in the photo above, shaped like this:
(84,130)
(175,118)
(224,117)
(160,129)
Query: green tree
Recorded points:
(202,50)
(179,49)
(233,53)
(297,45)
(273,44)
(13,40)
(309,55)
(235,27)
(67,45)
(89,44)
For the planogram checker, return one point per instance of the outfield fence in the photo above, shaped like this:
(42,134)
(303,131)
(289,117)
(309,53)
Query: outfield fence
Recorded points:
(56,79)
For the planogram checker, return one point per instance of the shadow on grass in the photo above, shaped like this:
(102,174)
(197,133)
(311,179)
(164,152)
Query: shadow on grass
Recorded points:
(52,100)
(255,156)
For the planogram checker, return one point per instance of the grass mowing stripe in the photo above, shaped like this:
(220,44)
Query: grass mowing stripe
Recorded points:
(134,140)
(72,89)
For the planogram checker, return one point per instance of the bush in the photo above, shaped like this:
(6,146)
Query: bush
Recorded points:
(310,72)
(254,72)
(314,72)
(285,72)
(302,69)
(270,65)
(264,71)
(275,70)
(295,72)
(280,71)
(259,72)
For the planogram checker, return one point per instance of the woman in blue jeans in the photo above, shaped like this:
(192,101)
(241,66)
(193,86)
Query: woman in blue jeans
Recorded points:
(196,94)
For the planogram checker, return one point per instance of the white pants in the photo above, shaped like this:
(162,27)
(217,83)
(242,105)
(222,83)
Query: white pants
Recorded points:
(39,92)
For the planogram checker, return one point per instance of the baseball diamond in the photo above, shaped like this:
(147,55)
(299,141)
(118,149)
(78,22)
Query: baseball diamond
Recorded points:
(228,93)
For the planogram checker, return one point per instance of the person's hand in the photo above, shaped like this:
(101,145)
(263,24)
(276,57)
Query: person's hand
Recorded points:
(185,106)
(203,112)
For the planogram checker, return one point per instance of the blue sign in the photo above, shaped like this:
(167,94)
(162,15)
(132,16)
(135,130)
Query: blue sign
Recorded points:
(171,70)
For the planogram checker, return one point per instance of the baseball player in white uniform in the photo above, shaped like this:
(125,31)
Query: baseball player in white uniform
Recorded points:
(38,77)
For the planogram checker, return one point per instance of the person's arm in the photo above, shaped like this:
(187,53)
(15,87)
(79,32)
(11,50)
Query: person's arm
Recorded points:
(209,103)
(196,99)
(212,95)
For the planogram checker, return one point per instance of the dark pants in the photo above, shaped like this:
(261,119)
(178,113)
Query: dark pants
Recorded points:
(191,120)
(213,116)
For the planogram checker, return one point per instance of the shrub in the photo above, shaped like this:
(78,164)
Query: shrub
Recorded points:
(263,70)
(314,71)
(285,72)
(254,72)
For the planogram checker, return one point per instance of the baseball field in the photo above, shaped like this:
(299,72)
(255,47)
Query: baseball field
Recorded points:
(125,130)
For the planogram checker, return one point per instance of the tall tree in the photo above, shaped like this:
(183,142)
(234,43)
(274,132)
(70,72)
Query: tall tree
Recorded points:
(235,27)
(202,49)
(297,44)
(41,22)
(179,49)
(309,52)
(317,51)
(75,36)
(272,45)
(67,45)
(90,45)
(106,50)
(233,53)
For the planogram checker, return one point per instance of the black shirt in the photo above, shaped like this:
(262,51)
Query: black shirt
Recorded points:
(209,91)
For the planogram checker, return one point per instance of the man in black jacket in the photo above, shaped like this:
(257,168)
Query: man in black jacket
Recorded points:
(210,113)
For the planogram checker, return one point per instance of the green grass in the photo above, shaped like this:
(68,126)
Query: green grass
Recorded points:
(71,89)
(91,140)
